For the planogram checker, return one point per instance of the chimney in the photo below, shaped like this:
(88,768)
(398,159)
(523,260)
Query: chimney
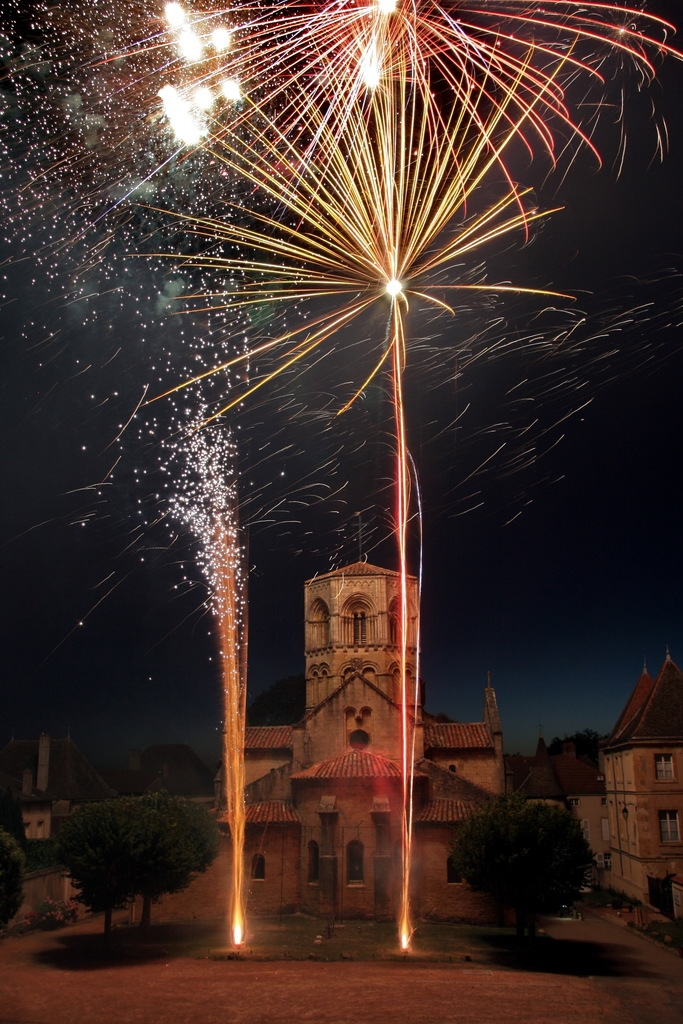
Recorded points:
(569,747)
(43,762)
(27,782)
(134,760)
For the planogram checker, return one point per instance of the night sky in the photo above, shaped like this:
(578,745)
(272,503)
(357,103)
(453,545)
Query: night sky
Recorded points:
(553,550)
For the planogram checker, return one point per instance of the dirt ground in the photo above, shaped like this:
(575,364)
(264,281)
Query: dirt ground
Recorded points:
(62,978)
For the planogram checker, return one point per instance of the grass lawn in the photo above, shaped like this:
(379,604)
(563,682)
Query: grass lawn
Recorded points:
(304,938)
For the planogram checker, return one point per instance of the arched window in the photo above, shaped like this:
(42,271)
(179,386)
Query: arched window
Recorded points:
(394,617)
(354,862)
(319,624)
(313,862)
(360,629)
(258,867)
(452,875)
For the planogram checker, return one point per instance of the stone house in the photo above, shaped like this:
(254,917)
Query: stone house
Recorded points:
(576,783)
(51,778)
(172,767)
(643,766)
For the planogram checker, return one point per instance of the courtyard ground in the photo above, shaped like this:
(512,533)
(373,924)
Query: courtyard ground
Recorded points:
(594,970)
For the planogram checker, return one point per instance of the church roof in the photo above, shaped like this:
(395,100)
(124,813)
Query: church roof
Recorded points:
(272,812)
(654,710)
(457,736)
(357,764)
(356,569)
(268,737)
(443,811)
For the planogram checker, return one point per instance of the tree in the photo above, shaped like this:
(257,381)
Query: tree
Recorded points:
(97,846)
(530,856)
(176,840)
(283,703)
(11,818)
(11,875)
(129,846)
(587,744)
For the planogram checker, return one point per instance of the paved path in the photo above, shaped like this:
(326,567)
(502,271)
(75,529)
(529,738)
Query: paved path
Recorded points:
(626,981)
(647,979)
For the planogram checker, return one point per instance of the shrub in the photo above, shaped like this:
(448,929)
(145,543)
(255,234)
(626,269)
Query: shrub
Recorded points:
(11,874)
(51,914)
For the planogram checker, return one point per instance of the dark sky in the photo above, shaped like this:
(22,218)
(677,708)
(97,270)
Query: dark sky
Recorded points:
(558,577)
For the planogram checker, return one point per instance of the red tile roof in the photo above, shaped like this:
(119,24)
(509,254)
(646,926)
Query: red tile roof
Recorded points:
(272,812)
(457,736)
(357,764)
(268,737)
(654,710)
(577,776)
(444,811)
(634,704)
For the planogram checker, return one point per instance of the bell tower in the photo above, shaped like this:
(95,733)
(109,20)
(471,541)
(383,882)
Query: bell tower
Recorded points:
(353,619)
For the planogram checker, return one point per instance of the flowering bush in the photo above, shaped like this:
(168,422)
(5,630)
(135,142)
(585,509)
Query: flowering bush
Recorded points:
(51,914)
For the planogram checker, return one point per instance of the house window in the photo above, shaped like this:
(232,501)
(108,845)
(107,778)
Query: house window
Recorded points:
(452,875)
(664,767)
(586,829)
(604,824)
(354,862)
(668,827)
(313,862)
(258,867)
(573,801)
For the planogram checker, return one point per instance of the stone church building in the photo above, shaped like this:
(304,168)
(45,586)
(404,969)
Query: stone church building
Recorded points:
(324,795)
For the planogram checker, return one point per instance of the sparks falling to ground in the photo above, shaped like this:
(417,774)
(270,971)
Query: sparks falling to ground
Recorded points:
(208,504)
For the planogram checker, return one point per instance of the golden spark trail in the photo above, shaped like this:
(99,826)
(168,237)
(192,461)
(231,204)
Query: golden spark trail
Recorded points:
(229,608)
(207,502)
(407,712)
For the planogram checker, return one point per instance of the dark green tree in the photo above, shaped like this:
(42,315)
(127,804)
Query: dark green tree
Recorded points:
(175,841)
(11,818)
(530,856)
(283,703)
(97,845)
(11,875)
(135,846)
(587,743)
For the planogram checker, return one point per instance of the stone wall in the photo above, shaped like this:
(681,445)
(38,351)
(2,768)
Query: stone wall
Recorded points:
(49,883)
(435,897)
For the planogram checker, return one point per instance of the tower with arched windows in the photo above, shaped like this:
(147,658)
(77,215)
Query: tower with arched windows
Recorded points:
(353,626)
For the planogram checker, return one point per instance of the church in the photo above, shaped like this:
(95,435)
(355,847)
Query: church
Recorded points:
(324,795)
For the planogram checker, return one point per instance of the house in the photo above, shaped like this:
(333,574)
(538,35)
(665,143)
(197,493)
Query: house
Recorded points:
(643,765)
(51,778)
(324,796)
(576,783)
(172,767)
